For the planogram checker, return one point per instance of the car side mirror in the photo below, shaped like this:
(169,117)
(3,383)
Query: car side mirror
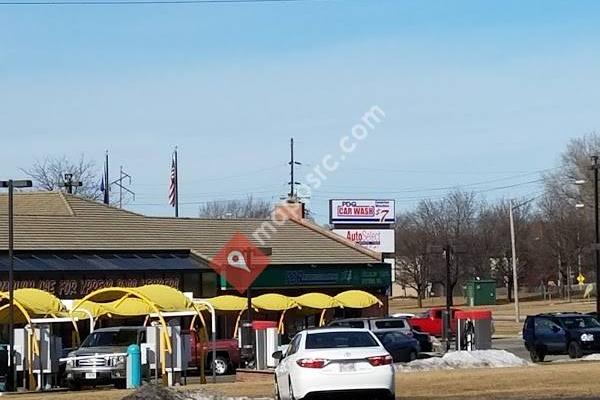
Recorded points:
(278,355)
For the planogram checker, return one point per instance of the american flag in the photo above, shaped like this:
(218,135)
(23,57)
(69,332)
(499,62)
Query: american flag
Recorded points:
(173,183)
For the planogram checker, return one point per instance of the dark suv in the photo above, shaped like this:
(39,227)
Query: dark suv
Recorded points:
(557,334)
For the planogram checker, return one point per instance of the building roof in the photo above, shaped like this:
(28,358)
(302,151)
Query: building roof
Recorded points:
(58,221)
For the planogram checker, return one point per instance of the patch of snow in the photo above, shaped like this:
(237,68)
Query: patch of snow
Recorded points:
(465,359)
(592,357)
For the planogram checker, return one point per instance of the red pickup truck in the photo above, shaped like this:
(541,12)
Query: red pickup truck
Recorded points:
(227,359)
(430,321)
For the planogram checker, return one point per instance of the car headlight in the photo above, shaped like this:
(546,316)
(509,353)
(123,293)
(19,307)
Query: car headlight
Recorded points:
(587,337)
(70,363)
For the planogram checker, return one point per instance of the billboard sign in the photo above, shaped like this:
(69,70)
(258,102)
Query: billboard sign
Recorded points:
(380,240)
(362,211)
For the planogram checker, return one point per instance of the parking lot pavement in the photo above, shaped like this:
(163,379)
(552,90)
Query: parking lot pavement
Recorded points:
(515,345)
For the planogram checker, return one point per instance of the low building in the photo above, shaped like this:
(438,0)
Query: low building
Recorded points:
(71,246)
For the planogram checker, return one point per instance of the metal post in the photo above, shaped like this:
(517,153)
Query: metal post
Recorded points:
(249,313)
(514,264)
(176,186)
(448,299)
(597,231)
(12,376)
(213,326)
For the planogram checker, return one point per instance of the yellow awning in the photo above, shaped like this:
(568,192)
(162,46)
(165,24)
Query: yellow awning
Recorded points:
(228,303)
(38,302)
(274,302)
(166,298)
(128,307)
(316,300)
(96,309)
(357,299)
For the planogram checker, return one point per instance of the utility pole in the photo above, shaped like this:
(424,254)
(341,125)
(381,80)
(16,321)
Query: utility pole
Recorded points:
(449,301)
(514,263)
(11,184)
(292,195)
(69,183)
(449,250)
(595,167)
(119,182)
(106,181)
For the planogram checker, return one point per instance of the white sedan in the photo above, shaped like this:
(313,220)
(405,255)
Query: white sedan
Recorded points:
(331,361)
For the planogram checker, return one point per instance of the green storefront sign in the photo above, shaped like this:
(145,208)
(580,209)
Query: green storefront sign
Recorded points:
(376,276)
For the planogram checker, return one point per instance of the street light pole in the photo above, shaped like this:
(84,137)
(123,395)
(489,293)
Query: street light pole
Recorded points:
(448,319)
(11,184)
(595,167)
(514,264)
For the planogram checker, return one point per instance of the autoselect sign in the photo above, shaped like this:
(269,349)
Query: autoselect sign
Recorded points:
(362,211)
(380,240)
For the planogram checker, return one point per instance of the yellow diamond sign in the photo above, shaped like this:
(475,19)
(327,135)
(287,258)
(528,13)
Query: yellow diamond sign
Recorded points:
(581,278)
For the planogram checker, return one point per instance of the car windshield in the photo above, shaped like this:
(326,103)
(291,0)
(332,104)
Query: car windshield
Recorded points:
(580,322)
(111,338)
(390,324)
(336,340)
(348,324)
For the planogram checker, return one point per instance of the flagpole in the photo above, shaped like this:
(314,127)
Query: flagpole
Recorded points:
(176,186)
(106,181)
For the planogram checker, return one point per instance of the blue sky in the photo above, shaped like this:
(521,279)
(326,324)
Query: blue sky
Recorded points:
(473,92)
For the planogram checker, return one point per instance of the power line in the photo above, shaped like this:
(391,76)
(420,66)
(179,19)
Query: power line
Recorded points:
(222,178)
(442,188)
(144,2)
(445,171)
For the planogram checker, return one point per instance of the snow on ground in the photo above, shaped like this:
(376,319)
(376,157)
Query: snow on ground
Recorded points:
(592,357)
(465,359)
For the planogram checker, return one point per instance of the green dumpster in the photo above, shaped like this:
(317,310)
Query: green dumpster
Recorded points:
(481,292)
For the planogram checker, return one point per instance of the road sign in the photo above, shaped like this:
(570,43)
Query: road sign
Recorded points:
(581,279)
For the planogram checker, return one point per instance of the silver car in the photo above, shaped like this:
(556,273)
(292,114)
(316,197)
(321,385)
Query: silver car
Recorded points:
(101,357)
(375,324)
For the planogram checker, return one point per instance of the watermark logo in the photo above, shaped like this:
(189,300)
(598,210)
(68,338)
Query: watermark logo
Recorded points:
(240,262)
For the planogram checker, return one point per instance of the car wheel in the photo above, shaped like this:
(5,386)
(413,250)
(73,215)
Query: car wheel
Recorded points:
(575,350)
(412,356)
(121,384)
(74,385)
(537,355)
(221,365)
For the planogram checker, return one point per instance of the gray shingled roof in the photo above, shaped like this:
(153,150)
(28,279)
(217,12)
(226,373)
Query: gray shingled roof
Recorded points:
(57,221)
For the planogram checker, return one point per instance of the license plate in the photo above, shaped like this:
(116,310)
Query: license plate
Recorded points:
(90,375)
(347,367)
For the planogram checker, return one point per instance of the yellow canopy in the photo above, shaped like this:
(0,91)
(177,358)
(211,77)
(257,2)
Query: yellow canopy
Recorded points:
(31,303)
(316,300)
(357,299)
(166,298)
(274,302)
(96,309)
(38,302)
(228,303)
(128,307)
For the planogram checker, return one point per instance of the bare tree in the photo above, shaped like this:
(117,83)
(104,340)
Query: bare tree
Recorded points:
(248,208)
(450,221)
(413,264)
(495,241)
(49,174)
